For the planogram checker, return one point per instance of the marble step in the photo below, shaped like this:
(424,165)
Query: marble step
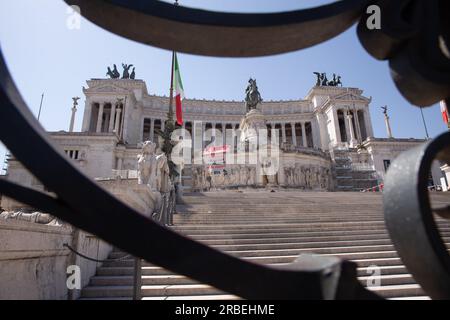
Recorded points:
(268,228)
(384,270)
(397,291)
(346,225)
(288,235)
(411,298)
(151,291)
(387,266)
(266,210)
(279,258)
(172,279)
(317,250)
(168,279)
(129,271)
(396,286)
(260,221)
(202,297)
(293,238)
(314,242)
(312,245)
(287,242)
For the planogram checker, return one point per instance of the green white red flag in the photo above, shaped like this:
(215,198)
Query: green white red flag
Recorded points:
(444,111)
(179,91)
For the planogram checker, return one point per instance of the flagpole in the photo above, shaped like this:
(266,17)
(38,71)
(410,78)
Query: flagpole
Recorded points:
(424,123)
(170,115)
(40,107)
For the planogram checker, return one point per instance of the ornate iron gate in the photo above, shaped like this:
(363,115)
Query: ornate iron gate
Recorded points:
(414,38)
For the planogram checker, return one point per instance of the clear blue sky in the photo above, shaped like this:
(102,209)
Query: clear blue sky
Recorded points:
(45,56)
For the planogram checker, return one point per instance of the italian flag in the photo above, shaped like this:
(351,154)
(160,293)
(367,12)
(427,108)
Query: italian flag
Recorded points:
(179,91)
(444,112)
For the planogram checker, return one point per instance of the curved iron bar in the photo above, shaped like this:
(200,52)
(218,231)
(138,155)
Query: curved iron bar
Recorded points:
(86,205)
(414,34)
(39,200)
(220,34)
(415,38)
(409,216)
(417,57)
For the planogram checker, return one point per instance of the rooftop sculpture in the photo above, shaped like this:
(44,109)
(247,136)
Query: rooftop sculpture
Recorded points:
(114,73)
(322,80)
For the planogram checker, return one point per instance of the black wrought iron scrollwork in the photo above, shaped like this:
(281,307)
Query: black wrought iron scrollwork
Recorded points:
(409,217)
(414,34)
(416,51)
(87,206)
(415,39)
(221,34)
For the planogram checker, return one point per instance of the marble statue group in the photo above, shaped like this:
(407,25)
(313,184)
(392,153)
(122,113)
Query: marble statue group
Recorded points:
(153,169)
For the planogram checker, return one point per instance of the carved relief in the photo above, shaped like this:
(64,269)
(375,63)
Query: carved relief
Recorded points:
(307,177)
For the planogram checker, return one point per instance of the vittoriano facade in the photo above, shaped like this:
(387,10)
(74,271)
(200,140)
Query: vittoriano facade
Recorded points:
(324,142)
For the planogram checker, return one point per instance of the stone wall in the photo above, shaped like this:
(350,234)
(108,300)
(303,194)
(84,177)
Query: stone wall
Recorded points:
(33,260)
(139,197)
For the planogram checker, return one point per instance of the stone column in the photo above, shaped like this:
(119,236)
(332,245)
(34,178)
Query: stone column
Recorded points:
(152,129)
(388,126)
(368,122)
(352,141)
(203,136)
(213,129)
(294,137)
(234,135)
(116,127)
(119,163)
(141,131)
(86,125)
(111,118)
(337,129)
(72,118)
(163,124)
(124,128)
(100,117)
(283,132)
(314,134)
(224,132)
(323,138)
(305,142)
(358,127)
(347,128)
(280,174)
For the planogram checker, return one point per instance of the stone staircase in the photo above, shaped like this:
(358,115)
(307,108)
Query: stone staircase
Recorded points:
(273,228)
(186,178)
(347,177)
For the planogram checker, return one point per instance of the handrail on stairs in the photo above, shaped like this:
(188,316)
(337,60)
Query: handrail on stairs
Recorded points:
(137,279)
